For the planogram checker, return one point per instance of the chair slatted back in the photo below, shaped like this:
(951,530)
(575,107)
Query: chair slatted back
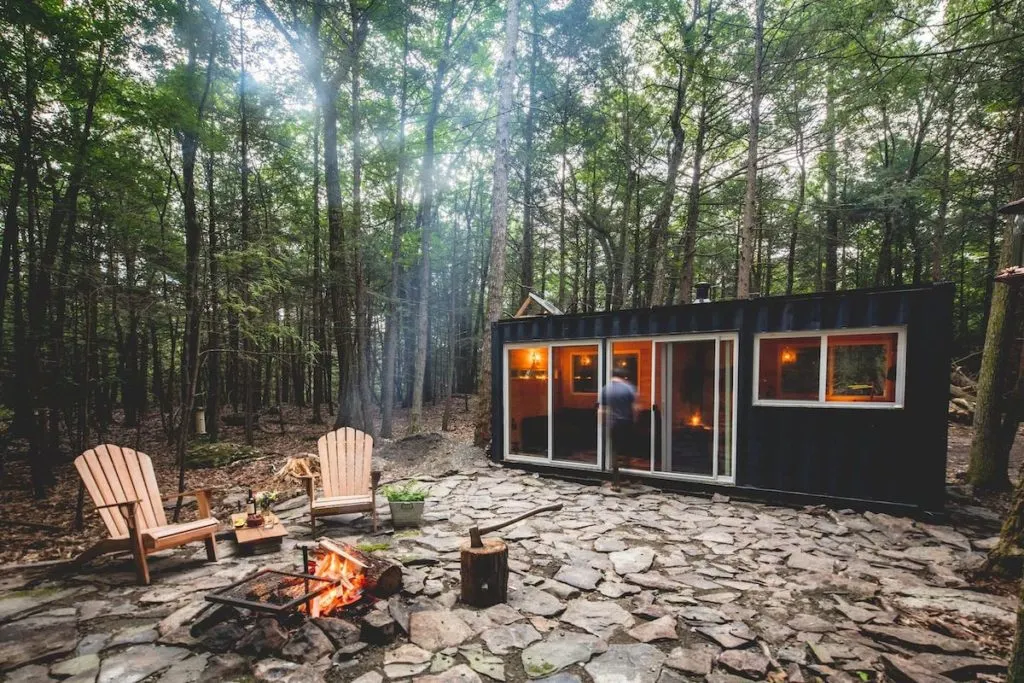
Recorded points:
(345,456)
(116,475)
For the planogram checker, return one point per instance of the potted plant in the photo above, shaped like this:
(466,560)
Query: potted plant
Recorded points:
(406,501)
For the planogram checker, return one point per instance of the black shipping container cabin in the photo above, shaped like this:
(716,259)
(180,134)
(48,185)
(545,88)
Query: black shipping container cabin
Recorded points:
(839,396)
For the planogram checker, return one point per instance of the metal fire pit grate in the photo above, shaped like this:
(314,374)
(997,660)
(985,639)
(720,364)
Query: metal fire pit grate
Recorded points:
(272,591)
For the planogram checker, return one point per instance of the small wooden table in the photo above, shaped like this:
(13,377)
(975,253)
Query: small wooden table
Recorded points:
(260,539)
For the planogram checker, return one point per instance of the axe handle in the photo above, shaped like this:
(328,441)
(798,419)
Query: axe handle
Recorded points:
(494,527)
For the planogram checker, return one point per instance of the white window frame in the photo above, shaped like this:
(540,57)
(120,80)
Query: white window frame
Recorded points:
(506,421)
(822,336)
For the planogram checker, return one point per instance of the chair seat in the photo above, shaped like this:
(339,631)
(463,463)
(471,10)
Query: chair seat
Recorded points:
(343,503)
(156,534)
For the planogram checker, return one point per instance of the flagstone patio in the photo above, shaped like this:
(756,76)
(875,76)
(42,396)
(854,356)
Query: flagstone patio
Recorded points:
(639,586)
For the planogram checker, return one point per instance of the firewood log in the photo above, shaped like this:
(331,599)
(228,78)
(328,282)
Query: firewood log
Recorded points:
(383,577)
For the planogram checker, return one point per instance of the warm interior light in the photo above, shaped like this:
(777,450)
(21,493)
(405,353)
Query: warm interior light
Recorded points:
(787,355)
(585,360)
(695,420)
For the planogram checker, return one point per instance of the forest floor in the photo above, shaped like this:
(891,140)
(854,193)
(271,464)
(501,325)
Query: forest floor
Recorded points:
(38,530)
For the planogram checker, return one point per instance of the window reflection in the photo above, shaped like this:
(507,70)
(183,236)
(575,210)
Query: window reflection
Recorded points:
(862,368)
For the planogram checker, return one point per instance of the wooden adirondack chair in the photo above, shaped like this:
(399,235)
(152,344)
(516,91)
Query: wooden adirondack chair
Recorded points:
(123,486)
(347,478)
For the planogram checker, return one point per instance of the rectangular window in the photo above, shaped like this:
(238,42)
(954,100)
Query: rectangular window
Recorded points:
(789,369)
(862,368)
(857,368)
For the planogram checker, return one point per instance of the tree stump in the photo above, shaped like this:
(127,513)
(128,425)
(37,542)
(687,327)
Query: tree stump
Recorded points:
(485,573)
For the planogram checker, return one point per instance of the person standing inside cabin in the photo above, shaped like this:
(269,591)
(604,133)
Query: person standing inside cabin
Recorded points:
(617,410)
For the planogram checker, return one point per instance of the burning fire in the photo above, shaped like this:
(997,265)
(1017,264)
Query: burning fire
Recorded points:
(349,575)
(695,420)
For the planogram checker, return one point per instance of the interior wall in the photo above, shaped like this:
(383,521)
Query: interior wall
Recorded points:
(643,351)
(563,396)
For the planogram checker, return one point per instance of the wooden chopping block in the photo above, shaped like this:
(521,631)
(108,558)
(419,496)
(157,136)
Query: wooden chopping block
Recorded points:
(484,563)
(484,573)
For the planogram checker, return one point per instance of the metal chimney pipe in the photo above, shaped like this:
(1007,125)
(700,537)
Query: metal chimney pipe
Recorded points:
(702,294)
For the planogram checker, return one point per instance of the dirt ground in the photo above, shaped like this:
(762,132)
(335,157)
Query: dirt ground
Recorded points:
(959,450)
(35,530)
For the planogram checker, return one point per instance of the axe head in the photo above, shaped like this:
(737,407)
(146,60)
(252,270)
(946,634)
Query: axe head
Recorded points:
(475,540)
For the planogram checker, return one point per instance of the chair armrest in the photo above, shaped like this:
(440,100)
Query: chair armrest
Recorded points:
(309,482)
(202,497)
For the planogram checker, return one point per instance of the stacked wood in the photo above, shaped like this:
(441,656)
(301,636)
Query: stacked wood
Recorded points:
(963,395)
(297,468)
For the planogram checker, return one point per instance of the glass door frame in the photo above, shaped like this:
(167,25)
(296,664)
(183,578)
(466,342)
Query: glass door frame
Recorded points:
(717,337)
(506,405)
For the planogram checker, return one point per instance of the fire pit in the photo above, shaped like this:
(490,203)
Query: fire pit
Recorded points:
(275,592)
(338,576)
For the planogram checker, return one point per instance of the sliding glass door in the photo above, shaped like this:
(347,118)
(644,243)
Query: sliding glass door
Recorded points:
(686,405)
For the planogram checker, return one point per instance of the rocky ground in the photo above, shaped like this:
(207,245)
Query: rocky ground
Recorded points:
(638,586)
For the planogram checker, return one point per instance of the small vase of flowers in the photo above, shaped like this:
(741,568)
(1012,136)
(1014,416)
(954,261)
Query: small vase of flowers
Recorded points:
(406,501)
(265,500)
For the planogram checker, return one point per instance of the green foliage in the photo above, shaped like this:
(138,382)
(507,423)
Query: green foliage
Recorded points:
(409,491)
(373,547)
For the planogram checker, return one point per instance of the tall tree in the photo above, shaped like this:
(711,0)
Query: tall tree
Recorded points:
(745,266)
(499,217)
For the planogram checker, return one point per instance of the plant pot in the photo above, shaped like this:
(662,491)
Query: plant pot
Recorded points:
(406,513)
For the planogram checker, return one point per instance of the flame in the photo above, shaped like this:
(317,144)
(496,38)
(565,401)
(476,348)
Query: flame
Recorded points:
(695,420)
(350,580)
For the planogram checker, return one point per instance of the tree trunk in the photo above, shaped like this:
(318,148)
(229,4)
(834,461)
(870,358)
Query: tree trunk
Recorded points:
(746,247)
(801,193)
(831,278)
(318,335)
(938,241)
(499,219)
(393,320)
(996,414)
(1015,671)
(424,223)
(654,285)
(526,273)
(213,362)
(689,247)
(360,29)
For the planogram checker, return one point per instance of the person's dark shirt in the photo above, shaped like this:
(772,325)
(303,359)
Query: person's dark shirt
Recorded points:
(618,398)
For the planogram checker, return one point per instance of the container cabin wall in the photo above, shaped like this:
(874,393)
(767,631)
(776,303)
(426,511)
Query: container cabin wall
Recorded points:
(861,454)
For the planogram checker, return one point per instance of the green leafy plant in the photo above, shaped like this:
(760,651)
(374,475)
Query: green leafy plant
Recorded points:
(408,492)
